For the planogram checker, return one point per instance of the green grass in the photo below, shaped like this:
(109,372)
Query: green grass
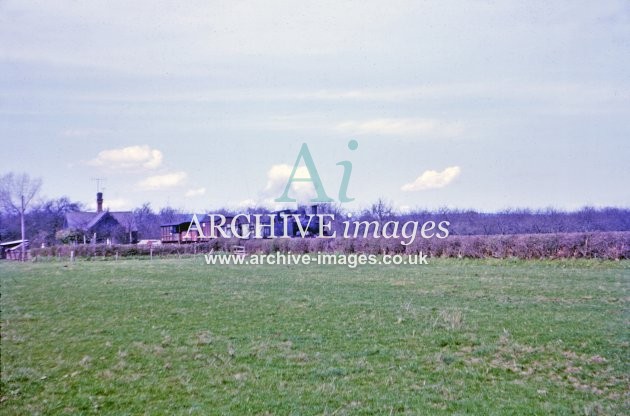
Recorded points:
(180,337)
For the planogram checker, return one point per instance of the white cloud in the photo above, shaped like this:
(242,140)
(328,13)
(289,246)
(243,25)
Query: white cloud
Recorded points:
(401,127)
(168,180)
(247,203)
(132,157)
(432,179)
(277,178)
(195,192)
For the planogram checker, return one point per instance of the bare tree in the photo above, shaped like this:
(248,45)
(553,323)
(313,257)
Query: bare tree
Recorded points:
(16,193)
(381,209)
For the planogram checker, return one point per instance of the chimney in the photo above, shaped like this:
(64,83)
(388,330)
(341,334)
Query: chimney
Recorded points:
(99,202)
(314,209)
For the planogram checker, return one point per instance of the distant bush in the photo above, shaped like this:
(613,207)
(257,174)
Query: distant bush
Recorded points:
(604,245)
(600,245)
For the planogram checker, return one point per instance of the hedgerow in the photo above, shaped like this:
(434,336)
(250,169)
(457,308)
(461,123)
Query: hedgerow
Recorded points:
(600,245)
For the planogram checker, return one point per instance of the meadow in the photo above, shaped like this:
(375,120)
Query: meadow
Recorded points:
(175,336)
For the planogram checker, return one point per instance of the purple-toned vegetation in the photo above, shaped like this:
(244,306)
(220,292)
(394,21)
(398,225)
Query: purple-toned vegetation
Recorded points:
(595,245)
(588,232)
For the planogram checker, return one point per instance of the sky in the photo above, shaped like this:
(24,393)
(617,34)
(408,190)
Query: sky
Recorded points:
(198,105)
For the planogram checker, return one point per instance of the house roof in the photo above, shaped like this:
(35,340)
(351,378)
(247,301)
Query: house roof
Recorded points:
(87,220)
(203,218)
(13,243)
(125,218)
(185,219)
(228,218)
(95,219)
(178,219)
(174,223)
(79,219)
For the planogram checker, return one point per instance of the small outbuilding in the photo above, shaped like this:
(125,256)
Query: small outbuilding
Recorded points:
(12,250)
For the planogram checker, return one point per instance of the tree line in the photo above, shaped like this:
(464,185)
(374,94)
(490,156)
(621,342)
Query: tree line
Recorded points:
(43,220)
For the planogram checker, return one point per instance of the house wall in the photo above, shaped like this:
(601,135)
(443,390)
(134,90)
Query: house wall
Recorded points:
(170,234)
(109,228)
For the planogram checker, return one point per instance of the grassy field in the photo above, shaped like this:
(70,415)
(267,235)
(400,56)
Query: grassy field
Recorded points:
(180,337)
